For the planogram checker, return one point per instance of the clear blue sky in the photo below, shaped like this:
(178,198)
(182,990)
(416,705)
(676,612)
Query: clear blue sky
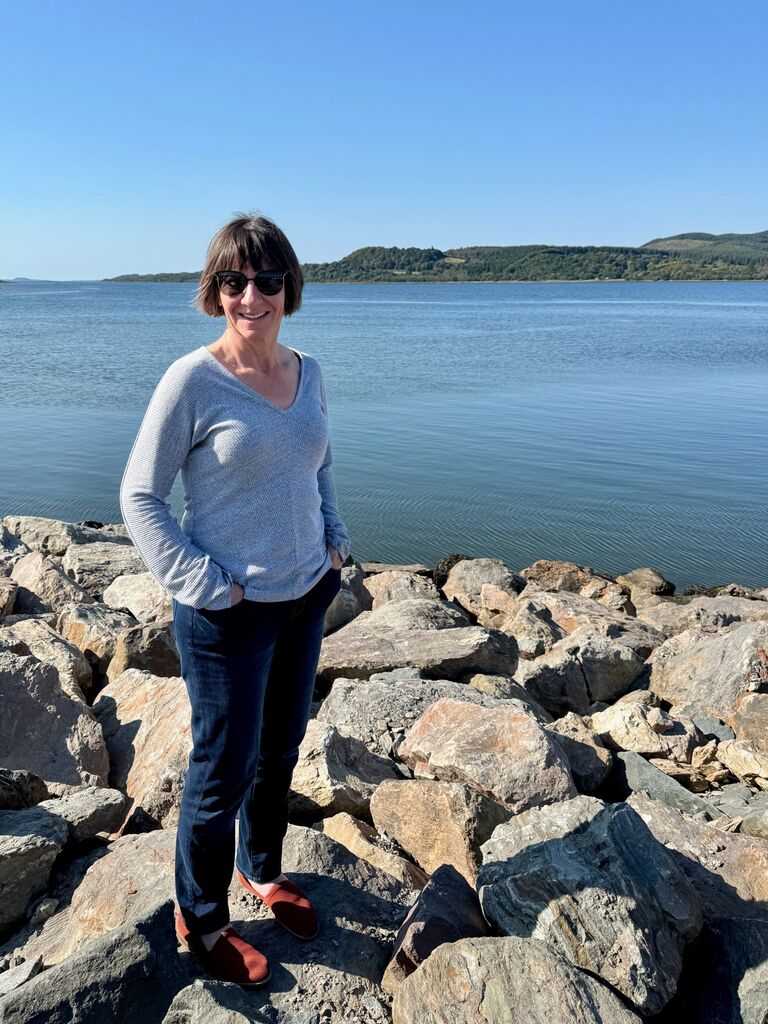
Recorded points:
(130,132)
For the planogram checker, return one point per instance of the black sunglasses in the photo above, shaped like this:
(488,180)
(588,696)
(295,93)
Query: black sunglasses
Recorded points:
(232,282)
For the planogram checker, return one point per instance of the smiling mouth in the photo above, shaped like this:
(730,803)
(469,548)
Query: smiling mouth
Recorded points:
(253,316)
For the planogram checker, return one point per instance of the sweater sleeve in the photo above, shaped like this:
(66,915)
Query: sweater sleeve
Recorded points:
(335,530)
(159,451)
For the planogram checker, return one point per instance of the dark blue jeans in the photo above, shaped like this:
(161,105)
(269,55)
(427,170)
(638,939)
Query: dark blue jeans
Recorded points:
(250,673)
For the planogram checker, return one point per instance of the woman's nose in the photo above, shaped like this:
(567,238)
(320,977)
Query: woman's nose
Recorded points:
(251,293)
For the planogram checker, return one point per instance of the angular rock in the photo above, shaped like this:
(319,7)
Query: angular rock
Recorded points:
(590,880)
(505,981)
(502,752)
(365,842)
(533,629)
(446,910)
(465,581)
(335,772)
(579,670)
(755,824)
(363,648)
(725,972)
(8,589)
(415,613)
(11,550)
(711,674)
(642,582)
(47,645)
(45,731)
(130,974)
(211,1002)
(633,774)
(44,587)
(141,595)
(572,611)
(89,811)
(30,841)
(646,730)
(589,760)
(94,629)
(379,710)
(505,688)
(94,566)
(17,976)
(707,614)
(351,600)
(750,720)
(147,727)
(148,646)
(53,537)
(387,586)
(437,822)
(750,766)
(20,789)
(579,579)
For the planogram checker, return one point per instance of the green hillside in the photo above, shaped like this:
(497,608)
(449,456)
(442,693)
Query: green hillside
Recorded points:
(689,257)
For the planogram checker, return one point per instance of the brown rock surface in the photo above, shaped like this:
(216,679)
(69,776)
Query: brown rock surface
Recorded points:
(365,842)
(44,587)
(146,723)
(94,629)
(437,822)
(579,579)
(466,580)
(148,646)
(502,752)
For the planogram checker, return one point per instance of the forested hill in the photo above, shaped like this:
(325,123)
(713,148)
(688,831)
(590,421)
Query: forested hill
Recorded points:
(694,256)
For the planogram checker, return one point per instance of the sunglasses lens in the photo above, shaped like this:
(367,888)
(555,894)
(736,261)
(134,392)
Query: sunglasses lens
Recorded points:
(232,283)
(269,282)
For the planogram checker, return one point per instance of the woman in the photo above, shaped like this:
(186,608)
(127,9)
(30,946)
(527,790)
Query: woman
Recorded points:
(252,568)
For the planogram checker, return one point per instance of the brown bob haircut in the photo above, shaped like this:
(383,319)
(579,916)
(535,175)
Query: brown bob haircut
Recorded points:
(249,240)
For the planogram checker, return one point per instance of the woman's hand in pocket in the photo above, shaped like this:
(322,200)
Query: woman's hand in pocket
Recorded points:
(236,594)
(336,562)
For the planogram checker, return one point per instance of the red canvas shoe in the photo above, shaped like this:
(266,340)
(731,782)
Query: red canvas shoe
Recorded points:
(230,959)
(291,908)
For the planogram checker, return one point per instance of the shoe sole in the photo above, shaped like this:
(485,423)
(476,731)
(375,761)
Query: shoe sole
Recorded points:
(296,935)
(243,984)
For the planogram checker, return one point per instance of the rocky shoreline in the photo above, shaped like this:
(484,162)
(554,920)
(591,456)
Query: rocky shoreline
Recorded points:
(524,796)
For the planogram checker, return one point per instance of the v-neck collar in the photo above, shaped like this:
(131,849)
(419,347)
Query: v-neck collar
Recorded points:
(252,391)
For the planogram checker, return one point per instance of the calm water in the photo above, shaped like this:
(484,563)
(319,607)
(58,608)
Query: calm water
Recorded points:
(614,424)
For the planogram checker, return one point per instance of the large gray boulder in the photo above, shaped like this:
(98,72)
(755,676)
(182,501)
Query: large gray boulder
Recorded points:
(423,635)
(466,580)
(94,566)
(43,730)
(633,774)
(710,674)
(502,752)
(53,536)
(351,600)
(505,981)
(88,812)
(386,587)
(141,595)
(47,645)
(579,579)
(380,710)
(725,969)
(147,727)
(579,670)
(30,841)
(335,773)
(708,614)
(44,587)
(590,880)
(131,973)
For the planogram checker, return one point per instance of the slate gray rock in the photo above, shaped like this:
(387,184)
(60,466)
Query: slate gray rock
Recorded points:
(505,981)
(20,788)
(30,841)
(132,973)
(633,774)
(592,881)
(446,910)
(89,811)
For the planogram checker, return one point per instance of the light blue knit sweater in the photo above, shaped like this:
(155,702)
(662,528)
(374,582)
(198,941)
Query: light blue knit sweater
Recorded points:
(259,498)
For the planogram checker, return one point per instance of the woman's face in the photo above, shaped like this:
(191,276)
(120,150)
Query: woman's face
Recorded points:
(252,316)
